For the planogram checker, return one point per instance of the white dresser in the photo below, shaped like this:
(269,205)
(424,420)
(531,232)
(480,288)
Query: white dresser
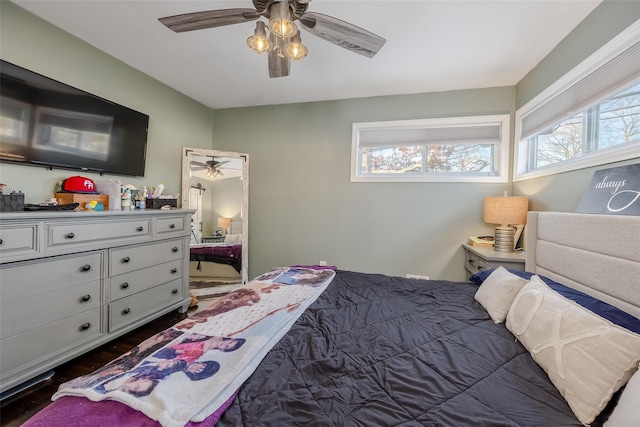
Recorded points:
(71,281)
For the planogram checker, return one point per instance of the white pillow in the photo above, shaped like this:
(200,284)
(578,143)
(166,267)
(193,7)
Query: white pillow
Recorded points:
(498,291)
(627,411)
(231,238)
(586,357)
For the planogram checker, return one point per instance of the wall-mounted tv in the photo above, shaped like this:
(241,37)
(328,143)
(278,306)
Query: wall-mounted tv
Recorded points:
(44,122)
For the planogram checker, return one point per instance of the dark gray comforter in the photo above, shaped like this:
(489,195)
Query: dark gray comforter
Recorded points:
(375,350)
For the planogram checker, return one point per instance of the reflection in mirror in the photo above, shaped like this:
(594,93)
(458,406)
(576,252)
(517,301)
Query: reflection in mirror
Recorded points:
(215,184)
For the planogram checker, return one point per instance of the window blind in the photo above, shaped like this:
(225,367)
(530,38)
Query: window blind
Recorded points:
(450,135)
(620,71)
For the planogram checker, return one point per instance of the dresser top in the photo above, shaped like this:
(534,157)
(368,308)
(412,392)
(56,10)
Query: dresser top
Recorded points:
(48,215)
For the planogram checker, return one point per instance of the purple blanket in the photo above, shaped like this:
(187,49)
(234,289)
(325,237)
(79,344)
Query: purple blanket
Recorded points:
(232,250)
(230,254)
(72,411)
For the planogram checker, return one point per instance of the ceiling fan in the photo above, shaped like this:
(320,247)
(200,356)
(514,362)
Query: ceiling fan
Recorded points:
(211,166)
(283,43)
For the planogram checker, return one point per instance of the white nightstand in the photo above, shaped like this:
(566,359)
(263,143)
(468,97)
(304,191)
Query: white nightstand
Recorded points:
(213,239)
(480,258)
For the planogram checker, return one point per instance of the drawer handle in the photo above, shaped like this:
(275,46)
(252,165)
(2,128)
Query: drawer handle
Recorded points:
(174,249)
(139,229)
(86,267)
(472,261)
(175,291)
(172,226)
(85,326)
(1,241)
(125,285)
(480,268)
(174,270)
(85,298)
(70,236)
(126,260)
(126,311)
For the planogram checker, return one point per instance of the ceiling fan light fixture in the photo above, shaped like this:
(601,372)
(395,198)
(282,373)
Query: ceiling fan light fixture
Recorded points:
(295,49)
(259,42)
(283,27)
(280,23)
(276,38)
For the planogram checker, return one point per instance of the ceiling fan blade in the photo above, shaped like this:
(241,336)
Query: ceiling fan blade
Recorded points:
(208,19)
(342,33)
(279,63)
(202,165)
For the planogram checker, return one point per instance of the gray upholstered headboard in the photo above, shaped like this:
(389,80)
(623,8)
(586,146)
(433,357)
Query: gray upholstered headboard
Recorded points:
(596,254)
(235,227)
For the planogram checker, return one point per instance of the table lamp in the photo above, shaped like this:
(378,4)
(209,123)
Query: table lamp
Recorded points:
(224,224)
(505,211)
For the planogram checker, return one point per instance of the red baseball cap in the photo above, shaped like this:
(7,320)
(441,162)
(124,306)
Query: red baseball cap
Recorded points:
(78,184)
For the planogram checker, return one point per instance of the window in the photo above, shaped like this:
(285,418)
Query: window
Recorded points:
(14,121)
(85,135)
(590,117)
(459,149)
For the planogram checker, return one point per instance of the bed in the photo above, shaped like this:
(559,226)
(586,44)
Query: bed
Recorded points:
(504,350)
(219,262)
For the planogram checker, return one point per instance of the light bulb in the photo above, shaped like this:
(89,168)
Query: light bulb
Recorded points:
(295,49)
(281,24)
(283,27)
(258,42)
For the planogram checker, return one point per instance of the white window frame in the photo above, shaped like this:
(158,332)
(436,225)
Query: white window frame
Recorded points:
(615,153)
(502,149)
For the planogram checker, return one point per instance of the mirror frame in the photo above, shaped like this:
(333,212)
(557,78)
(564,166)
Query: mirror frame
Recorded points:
(186,151)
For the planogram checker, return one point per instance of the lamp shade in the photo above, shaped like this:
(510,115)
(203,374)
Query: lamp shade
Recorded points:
(259,42)
(506,210)
(224,222)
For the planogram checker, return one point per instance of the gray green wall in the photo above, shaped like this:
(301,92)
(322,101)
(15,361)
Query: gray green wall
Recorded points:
(175,120)
(303,207)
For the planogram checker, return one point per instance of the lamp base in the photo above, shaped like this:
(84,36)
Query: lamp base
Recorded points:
(504,239)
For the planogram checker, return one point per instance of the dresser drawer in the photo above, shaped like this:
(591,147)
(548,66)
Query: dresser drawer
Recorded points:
(48,341)
(171,225)
(20,315)
(131,258)
(21,280)
(127,284)
(59,235)
(135,307)
(473,263)
(18,240)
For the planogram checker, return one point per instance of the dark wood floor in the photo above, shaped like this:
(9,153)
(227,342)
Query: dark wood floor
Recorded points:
(17,409)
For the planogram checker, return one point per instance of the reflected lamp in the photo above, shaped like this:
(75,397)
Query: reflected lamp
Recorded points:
(224,223)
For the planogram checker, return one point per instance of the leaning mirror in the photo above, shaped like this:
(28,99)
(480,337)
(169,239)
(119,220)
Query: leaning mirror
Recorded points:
(216,184)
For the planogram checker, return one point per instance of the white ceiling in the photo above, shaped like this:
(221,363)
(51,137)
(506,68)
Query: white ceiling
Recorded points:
(432,46)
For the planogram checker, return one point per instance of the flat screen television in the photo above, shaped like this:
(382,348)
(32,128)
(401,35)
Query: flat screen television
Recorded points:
(44,122)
